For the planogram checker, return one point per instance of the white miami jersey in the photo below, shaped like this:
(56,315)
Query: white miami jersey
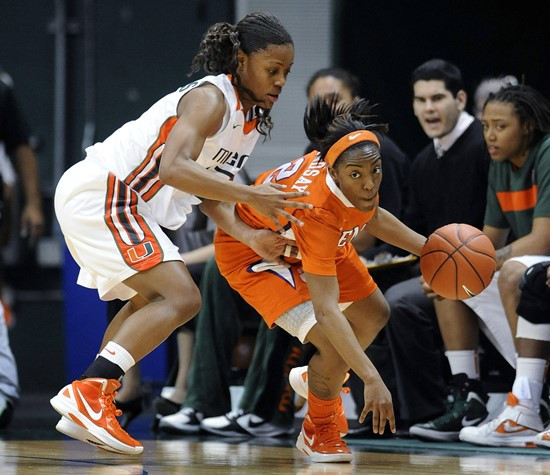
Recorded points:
(133,153)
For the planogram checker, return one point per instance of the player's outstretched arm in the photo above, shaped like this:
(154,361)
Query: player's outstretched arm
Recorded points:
(388,228)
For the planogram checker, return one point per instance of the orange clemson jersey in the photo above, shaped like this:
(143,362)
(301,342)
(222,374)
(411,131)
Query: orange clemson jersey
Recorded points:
(328,228)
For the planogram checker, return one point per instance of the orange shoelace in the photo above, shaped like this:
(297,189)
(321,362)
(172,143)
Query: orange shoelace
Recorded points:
(108,401)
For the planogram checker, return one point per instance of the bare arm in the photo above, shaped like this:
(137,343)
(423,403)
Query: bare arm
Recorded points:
(201,113)
(388,228)
(267,244)
(32,217)
(199,255)
(537,242)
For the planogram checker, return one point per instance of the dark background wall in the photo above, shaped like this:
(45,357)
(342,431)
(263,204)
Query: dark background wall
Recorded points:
(383,41)
(143,49)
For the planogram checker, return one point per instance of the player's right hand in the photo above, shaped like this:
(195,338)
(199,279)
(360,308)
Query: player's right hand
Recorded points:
(378,401)
(270,245)
(269,199)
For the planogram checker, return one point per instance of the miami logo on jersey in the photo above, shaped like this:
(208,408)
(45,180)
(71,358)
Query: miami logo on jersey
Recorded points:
(229,163)
(138,253)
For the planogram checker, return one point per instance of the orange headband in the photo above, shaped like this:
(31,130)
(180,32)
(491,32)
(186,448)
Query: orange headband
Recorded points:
(347,141)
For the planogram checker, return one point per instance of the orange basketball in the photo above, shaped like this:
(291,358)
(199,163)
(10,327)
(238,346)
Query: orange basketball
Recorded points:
(458,261)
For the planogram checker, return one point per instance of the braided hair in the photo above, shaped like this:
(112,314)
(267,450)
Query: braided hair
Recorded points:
(220,44)
(531,107)
(327,120)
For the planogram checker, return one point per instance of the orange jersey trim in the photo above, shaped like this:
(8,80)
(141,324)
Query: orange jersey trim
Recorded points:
(518,200)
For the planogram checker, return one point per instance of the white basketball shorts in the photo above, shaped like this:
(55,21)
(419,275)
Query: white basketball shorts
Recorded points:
(109,230)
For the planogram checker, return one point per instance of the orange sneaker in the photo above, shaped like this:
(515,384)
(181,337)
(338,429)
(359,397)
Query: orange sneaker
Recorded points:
(298,381)
(321,441)
(89,403)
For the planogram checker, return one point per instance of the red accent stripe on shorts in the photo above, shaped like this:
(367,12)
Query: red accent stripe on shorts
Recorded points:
(136,242)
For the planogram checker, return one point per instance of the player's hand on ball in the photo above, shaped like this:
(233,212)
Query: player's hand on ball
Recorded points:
(427,290)
(378,400)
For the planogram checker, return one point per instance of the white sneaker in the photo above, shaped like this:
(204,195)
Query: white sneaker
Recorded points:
(225,425)
(71,429)
(516,426)
(259,427)
(185,421)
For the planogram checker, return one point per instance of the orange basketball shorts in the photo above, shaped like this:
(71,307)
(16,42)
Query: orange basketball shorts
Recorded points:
(273,289)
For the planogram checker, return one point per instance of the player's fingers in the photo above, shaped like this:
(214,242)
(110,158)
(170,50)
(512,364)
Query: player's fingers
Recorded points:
(391,420)
(296,204)
(282,262)
(278,225)
(364,412)
(278,186)
(291,218)
(376,420)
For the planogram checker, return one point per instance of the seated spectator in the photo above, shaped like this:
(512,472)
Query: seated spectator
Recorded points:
(516,128)
(520,424)
(447,183)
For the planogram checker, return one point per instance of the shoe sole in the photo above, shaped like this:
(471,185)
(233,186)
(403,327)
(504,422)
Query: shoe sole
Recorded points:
(173,429)
(62,406)
(73,430)
(509,441)
(226,433)
(317,457)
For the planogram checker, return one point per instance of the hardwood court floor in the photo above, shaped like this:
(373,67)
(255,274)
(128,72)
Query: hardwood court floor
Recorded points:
(32,446)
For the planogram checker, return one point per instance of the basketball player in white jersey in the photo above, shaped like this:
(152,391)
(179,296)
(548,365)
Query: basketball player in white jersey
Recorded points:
(148,174)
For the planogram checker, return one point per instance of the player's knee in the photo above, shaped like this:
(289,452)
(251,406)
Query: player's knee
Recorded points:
(534,301)
(509,277)
(185,305)
(382,316)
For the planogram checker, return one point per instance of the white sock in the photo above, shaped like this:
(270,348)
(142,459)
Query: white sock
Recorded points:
(530,376)
(464,361)
(117,355)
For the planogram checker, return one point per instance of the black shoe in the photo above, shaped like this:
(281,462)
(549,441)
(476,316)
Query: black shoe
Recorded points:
(6,411)
(163,407)
(130,410)
(468,408)
(225,425)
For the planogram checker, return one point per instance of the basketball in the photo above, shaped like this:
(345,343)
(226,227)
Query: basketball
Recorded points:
(458,261)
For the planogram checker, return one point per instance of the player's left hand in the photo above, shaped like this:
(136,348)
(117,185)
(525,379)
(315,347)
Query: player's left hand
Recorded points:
(428,290)
(271,246)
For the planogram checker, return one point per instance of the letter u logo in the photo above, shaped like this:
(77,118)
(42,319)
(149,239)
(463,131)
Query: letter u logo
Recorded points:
(138,253)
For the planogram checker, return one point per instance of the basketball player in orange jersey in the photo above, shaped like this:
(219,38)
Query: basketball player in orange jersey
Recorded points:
(324,294)
(148,174)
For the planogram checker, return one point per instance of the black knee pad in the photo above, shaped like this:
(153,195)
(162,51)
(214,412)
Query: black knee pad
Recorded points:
(534,302)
